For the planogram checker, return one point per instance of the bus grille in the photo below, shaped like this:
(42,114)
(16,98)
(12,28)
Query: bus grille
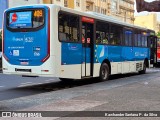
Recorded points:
(138,66)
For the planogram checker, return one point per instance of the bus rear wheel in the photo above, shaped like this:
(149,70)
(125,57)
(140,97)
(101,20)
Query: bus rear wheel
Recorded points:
(104,72)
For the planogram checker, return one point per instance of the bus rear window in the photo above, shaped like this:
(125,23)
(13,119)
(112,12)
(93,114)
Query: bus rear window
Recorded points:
(25,19)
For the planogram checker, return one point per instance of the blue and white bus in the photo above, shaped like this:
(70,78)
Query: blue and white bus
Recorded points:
(54,41)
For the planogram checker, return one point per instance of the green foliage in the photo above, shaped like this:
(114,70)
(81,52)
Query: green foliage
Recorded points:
(158,34)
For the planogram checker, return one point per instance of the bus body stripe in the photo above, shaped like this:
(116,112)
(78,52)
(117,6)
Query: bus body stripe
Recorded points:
(48,50)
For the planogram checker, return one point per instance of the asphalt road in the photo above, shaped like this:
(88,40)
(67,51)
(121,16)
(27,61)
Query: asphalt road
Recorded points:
(131,92)
(14,81)
(13,86)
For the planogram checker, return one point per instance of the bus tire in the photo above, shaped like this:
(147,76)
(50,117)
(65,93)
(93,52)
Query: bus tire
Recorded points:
(104,72)
(144,69)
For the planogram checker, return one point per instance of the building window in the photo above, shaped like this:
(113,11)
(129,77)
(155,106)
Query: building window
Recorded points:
(114,5)
(97,9)
(103,0)
(103,11)
(89,7)
(65,3)
(77,3)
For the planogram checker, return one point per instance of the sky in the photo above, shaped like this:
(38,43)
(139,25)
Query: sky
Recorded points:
(145,13)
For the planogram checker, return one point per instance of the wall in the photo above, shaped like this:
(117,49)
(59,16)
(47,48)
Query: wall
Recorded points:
(148,21)
(58,2)
(14,3)
(3,6)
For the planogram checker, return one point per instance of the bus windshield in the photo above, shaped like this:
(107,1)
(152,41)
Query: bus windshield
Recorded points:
(25,19)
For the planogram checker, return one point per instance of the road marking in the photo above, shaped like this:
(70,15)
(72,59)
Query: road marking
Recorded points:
(49,80)
(1,86)
(22,86)
(29,84)
(26,83)
(38,83)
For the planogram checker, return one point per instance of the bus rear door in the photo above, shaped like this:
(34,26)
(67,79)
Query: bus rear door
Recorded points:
(87,46)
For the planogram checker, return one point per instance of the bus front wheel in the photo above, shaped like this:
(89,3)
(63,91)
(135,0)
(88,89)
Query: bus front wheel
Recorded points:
(104,72)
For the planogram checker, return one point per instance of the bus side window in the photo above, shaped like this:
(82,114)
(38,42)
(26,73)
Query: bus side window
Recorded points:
(139,40)
(104,38)
(115,34)
(62,36)
(128,37)
(98,38)
(102,31)
(68,24)
(144,39)
(135,38)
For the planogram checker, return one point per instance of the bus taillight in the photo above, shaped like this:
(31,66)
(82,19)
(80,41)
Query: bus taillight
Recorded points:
(45,58)
(45,70)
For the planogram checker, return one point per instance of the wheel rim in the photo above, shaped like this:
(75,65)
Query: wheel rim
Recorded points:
(104,73)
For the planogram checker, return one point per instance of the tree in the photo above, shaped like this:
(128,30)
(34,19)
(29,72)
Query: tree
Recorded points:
(158,33)
(142,5)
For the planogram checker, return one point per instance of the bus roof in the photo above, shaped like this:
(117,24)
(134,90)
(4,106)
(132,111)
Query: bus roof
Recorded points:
(88,14)
(102,17)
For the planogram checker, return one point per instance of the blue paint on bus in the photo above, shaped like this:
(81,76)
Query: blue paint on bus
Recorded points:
(72,53)
(26,48)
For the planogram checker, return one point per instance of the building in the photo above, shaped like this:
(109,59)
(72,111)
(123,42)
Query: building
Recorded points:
(121,9)
(149,21)
(126,11)
(14,3)
(3,6)
(73,4)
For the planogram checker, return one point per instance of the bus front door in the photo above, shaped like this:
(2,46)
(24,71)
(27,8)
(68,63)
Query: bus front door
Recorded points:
(87,49)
